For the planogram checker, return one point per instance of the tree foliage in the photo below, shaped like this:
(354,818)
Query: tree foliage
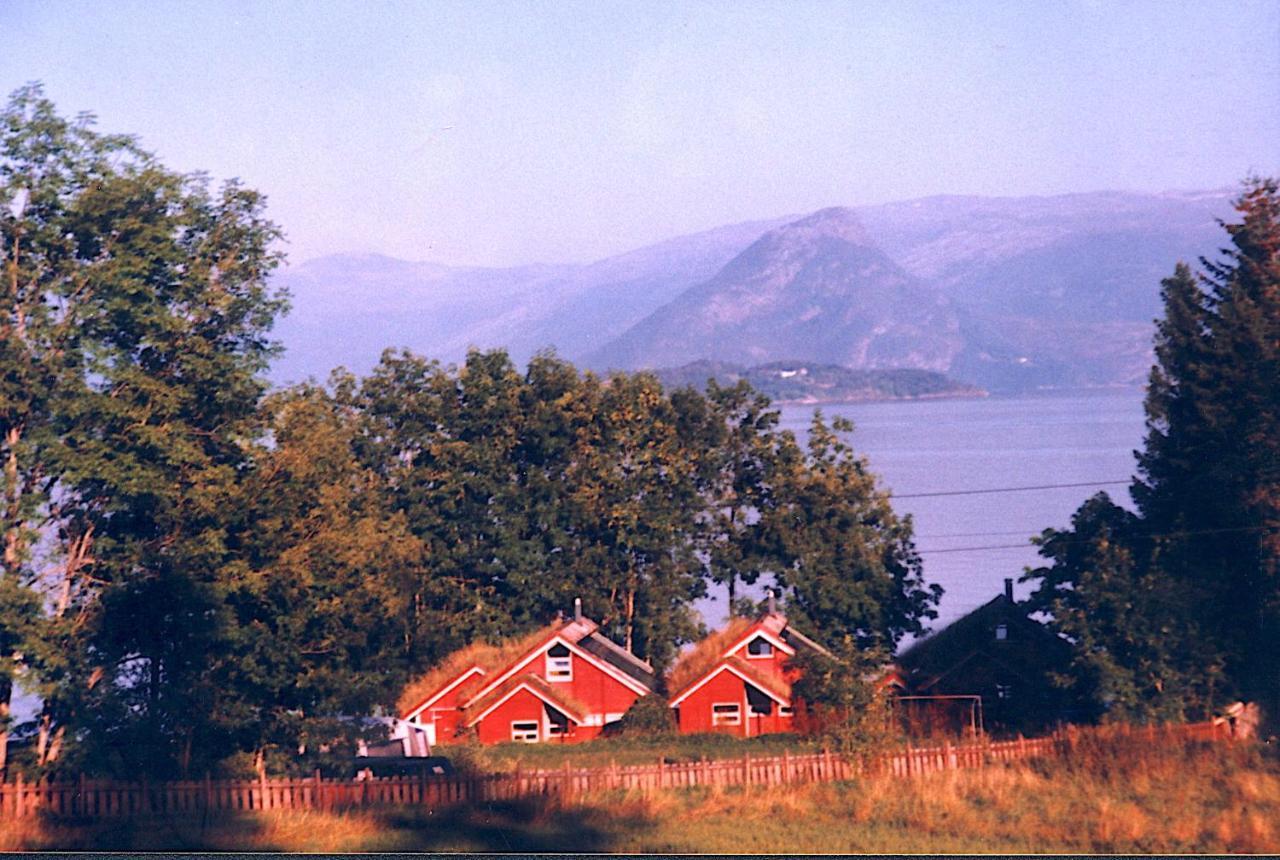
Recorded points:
(197,570)
(1179,606)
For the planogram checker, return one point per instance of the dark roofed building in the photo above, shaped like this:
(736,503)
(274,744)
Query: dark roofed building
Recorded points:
(998,654)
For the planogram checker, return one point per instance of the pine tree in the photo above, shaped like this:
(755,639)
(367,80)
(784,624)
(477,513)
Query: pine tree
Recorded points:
(1207,540)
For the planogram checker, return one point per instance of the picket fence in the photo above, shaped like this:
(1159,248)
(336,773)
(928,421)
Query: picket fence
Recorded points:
(92,798)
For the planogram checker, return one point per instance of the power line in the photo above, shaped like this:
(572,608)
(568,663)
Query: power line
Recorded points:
(1021,532)
(1006,489)
(1029,545)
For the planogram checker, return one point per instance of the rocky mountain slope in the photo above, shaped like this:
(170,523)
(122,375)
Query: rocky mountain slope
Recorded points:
(818,289)
(1006,293)
(347,309)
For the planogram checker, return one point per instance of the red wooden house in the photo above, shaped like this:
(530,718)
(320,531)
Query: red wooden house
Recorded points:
(738,680)
(564,683)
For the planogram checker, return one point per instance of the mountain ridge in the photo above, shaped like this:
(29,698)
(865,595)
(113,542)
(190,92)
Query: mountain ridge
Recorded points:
(1053,290)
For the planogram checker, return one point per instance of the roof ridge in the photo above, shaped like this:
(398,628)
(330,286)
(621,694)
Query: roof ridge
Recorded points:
(618,649)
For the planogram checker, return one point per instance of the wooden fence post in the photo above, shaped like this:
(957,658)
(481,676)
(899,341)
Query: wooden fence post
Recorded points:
(746,769)
(18,797)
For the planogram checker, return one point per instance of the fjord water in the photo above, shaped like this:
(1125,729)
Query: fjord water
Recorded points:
(932,446)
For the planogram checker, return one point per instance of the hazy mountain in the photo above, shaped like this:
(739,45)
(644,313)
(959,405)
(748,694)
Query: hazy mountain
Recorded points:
(817,289)
(348,308)
(1045,291)
(1006,293)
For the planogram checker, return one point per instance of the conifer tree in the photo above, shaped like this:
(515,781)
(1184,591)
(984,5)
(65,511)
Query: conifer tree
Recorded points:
(1207,538)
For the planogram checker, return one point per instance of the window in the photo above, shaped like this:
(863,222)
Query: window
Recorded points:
(726,714)
(555,729)
(1004,691)
(525,731)
(559,663)
(786,711)
(1002,632)
(759,647)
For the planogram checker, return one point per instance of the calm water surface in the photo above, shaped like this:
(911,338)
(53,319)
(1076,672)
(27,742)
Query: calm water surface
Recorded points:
(935,446)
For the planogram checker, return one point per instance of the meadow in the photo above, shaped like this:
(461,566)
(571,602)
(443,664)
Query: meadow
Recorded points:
(1113,796)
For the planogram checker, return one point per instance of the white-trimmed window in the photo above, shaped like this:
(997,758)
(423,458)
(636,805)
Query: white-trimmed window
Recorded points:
(559,663)
(1002,632)
(526,731)
(726,714)
(786,711)
(1004,691)
(759,648)
(555,730)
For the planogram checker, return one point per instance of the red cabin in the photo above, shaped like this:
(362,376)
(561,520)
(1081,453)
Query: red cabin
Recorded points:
(562,683)
(738,680)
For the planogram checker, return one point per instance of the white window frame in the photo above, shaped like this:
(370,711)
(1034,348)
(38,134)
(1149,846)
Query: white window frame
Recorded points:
(1004,692)
(560,669)
(522,734)
(556,730)
(786,711)
(726,718)
(755,639)
(1002,632)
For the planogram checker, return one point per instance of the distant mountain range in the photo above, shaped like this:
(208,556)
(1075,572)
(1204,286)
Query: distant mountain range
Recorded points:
(1003,293)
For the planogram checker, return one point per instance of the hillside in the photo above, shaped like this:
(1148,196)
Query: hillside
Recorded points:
(1006,293)
(786,382)
(347,309)
(817,289)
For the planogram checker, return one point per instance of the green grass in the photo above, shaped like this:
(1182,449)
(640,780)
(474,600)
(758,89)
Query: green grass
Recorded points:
(626,751)
(1111,798)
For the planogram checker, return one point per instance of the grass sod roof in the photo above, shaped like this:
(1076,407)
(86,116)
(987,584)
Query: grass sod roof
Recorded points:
(489,657)
(704,656)
(774,684)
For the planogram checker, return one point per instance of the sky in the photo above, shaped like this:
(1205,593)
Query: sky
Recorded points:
(509,133)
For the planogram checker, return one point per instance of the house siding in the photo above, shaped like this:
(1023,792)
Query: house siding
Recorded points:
(695,710)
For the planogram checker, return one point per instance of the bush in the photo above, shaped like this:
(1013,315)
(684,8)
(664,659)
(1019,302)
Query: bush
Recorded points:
(649,716)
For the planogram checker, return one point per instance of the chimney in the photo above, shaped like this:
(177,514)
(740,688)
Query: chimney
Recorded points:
(1008,589)
(773,601)
(577,609)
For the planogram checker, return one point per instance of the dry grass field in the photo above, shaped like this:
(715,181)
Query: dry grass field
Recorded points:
(1113,797)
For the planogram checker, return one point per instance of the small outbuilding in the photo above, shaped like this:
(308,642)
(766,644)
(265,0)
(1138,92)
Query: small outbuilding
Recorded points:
(993,667)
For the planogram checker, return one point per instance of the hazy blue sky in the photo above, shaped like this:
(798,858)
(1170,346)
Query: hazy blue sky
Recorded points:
(546,131)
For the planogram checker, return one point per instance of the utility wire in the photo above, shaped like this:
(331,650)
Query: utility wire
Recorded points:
(1028,545)
(1006,489)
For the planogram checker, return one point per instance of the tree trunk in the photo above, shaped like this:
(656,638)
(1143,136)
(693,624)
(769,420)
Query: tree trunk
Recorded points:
(6,692)
(630,622)
(13,501)
(42,737)
(55,745)
(184,761)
